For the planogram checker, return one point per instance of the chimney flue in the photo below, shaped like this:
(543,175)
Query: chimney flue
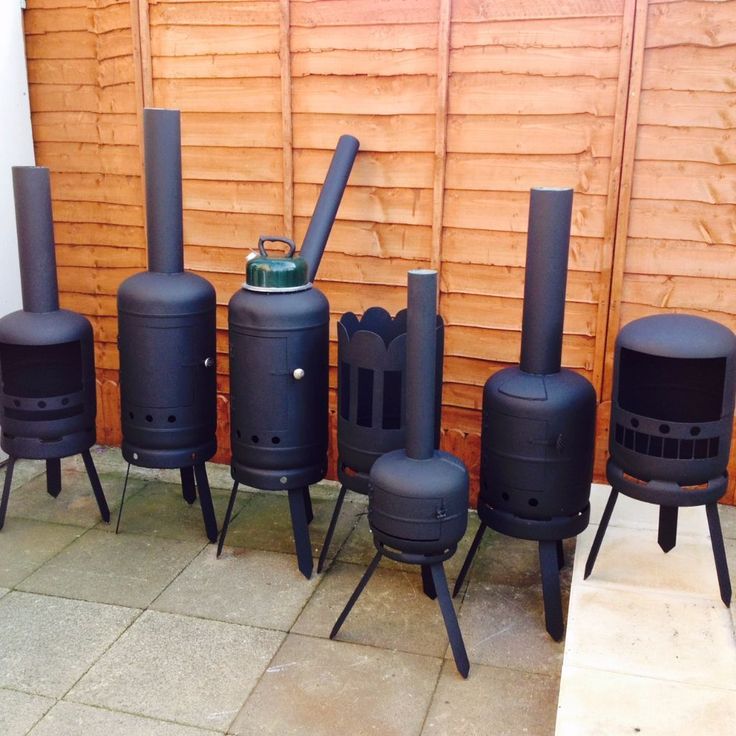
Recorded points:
(162,145)
(548,244)
(34,222)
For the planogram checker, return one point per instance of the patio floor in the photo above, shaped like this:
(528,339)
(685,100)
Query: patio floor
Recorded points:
(148,633)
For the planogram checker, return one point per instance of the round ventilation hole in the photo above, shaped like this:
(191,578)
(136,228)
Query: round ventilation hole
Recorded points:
(238,433)
(275,440)
(171,419)
(634,422)
(64,402)
(41,404)
(254,439)
(505,496)
(16,402)
(664,428)
(694,431)
(149,418)
(533,502)
(131,415)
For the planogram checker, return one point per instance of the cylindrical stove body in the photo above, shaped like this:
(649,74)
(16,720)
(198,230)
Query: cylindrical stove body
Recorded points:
(279,372)
(166,326)
(47,364)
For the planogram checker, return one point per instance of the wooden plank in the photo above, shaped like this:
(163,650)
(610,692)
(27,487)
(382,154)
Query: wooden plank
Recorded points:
(542,134)
(469,371)
(510,211)
(257,130)
(351,269)
(509,172)
(681,258)
(690,68)
(692,22)
(96,187)
(216,66)
(253,94)
(232,164)
(89,158)
(118,99)
(363,37)
(664,143)
(287,128)
(387,133)
(364,95)
(376,63)
(142,57)
(62,97)
(680,292)
(440,143)
(115,43)
(498,281)
(523,94)
(238,13)
(92,280)
(205,40)
(89,233)
(72,71)
(103,213)
(112,17)
(97,256)
(474,11)
(693,108)
(509,249)
(233,196)
(407,206)
(62,45)
(352,12)
(117,71)
(698,182)
(228,229)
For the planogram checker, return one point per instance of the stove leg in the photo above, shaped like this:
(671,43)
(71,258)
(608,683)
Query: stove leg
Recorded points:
(451,623)
(300,527)
(188,487)
(551,589)
(469,558)
(356,594)
(719,552)
(667,534)
(308,506)
(560,555)
(228,514)
(6,490)
(94,481)
(595,548)
(122,499)
(428,583)
(331,529)
(205,501)
(53,476)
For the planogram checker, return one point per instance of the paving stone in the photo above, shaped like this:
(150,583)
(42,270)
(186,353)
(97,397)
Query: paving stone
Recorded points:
(75,504)
(4,591)
(23,471)
(727,515)
(265,523)
(72,719)
(159,509)
(181,669)
(321,688)
(494,701)
(122,569)
(244,586)
(48,643)
(392,612)
(359,548)
(19,711)
(503,626)
(26,544)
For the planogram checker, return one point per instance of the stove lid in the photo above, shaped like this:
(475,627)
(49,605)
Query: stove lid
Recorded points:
(268,273)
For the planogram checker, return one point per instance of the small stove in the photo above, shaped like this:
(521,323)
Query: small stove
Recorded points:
(418,503)
(47,363)
(672,411)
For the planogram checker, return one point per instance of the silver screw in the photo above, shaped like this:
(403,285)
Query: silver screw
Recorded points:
(298,373)
(135,456)
(283,479)
(209,362)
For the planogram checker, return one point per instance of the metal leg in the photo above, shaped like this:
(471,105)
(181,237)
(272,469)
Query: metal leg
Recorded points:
(719,552)
(6,490)
(331,529)
(94,481)
(551,589)
(308,506)
(560,555)
(451,624)
(356,594)
(427,583)
(600,533)
(53,476)
(188,488)
(205,501)
(122,499)
(667,535)
(228,514)
(300,527)
(469,559)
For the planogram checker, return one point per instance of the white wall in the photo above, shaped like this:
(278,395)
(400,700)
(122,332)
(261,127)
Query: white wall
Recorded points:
(16,143)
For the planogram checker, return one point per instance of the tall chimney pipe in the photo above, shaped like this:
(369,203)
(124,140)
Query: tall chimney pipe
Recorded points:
(162,146)
(329,200)
(548,245)
(421,349)
(35,225)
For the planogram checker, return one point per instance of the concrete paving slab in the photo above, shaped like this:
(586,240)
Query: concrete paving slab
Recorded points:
(494,701)
(503,626)
(23,471)
(265,523)
(728,520)
(322,688)
(392,612)
(20,711)
(122,569)
(47,643)
(72,719)
(160,510)
(75,504)
(250,587)
(26,544)
(187,670)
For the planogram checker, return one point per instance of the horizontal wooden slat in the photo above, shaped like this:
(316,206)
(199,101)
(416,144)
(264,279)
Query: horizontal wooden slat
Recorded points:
(698,182)
(695,108)
(377,63)
(683,143)
(216,66)
(228,229)
(474,11)
(90,158)
(196,12)
(97,187)
(709,223)
(691,22)
(62,45)
(680,292)
(395,38)
(221,40)
(249,129)
(102,213)
(349,12)
(90,233)
(232,164)
(256,94)
(690,68)
(233,196)
(681,258)
(72,71)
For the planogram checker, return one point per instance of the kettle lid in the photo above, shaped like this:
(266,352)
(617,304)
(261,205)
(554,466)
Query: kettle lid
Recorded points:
(268,273)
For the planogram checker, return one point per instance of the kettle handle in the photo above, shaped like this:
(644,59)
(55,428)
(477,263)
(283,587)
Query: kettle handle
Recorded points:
(275,239)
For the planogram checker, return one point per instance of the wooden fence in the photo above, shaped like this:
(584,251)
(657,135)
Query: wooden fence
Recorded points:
(460,106)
